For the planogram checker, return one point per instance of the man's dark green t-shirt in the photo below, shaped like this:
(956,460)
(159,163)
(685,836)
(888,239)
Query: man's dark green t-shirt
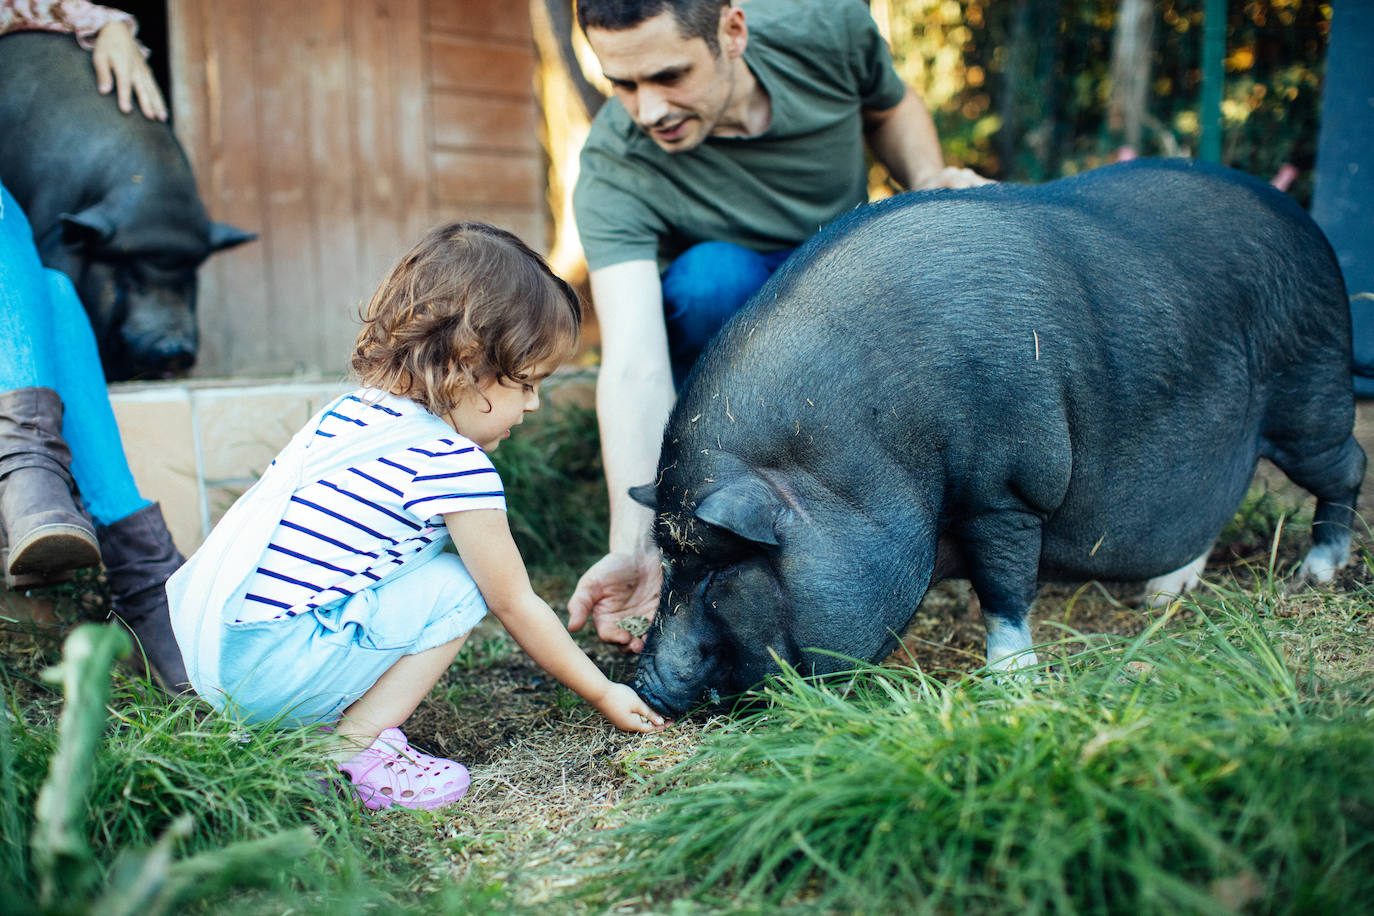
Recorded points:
(821,62)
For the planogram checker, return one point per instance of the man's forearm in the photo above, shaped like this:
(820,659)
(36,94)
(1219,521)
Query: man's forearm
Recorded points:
(904,140)
(632,412)
(634,391)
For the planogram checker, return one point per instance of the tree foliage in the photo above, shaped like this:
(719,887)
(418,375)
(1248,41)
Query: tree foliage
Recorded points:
(1022,90)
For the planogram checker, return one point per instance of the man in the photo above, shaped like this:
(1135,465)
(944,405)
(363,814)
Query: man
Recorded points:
(724,148)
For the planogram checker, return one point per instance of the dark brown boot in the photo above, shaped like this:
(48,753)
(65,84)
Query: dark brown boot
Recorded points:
(47,533)
(139,558)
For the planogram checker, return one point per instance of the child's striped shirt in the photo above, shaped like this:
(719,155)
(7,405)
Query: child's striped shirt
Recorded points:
(350,530)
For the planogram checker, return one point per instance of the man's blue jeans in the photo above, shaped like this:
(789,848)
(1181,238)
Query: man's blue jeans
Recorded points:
(707,284)
(48,343)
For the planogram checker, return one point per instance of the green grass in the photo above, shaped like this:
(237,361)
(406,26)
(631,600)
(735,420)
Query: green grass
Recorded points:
(556,495)
(1194,769)
(241,806)
(482,651)
(1265,511)
(1222,762)
(170,777)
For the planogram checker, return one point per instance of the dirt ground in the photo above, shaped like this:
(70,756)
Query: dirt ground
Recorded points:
(542,761)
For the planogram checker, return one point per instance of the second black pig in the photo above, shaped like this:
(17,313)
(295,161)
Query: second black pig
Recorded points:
(1008,384)
(112,202)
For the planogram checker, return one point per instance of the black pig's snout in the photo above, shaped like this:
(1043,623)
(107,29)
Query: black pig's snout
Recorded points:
(663,686)
(159,355)
(674,672)
(649,692)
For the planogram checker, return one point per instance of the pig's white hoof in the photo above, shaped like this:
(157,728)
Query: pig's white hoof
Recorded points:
(1014,661)
(1323,560)
(1161,590)
(1009,645)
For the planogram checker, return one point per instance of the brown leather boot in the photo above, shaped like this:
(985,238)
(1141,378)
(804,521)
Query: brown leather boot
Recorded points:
(47,533)
(139,558)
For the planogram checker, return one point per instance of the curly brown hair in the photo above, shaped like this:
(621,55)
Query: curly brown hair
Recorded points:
(468,305)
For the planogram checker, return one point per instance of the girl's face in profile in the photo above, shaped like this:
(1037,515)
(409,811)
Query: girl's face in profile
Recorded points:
(487,413)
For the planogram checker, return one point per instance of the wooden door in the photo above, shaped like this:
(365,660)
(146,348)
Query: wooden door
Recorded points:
(339,130)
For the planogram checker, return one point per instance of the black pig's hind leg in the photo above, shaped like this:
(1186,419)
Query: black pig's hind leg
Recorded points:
(1333,475)
(1002,550)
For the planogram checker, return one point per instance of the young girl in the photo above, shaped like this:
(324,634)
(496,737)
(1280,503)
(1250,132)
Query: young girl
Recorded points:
(324,595)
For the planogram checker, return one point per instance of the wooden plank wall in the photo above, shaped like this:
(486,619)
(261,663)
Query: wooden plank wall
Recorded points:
(339,130)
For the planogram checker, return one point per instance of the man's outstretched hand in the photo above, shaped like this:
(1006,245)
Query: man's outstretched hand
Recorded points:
(952,176)
(618,587)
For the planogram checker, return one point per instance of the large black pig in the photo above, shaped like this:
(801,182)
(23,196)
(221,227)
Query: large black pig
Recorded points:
(112,202)
(1007,384)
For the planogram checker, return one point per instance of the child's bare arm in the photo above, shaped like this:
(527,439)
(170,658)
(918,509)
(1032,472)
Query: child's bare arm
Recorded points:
(483,540)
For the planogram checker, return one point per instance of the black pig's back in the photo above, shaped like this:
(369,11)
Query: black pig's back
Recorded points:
(1112,351)
(65,147)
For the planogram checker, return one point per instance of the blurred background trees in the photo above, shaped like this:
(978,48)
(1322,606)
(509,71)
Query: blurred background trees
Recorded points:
(1029,90)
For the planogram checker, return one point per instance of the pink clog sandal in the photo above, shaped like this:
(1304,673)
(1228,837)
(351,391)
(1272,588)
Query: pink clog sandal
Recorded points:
(391,772)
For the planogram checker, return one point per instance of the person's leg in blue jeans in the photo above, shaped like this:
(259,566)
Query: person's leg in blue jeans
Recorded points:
(46,533)
(58,435)
(98,463)
(707,284)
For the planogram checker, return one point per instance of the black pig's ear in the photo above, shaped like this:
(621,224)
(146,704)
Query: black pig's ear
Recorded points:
(745,506)
(645,495)
(89,227)
(223,235)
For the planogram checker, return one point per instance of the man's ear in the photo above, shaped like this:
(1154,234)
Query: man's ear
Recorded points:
(734,33)
(646,495)
(746,506)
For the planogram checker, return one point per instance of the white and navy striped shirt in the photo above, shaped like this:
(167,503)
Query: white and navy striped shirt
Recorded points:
(347,532)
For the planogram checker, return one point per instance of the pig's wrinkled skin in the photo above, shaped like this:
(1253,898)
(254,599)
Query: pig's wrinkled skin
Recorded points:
(1007,384)
(112,203)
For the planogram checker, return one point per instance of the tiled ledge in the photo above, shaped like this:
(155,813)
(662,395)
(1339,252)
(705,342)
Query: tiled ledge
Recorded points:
(194,446)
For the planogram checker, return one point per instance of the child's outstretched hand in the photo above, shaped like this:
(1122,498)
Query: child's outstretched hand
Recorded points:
(627,711)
